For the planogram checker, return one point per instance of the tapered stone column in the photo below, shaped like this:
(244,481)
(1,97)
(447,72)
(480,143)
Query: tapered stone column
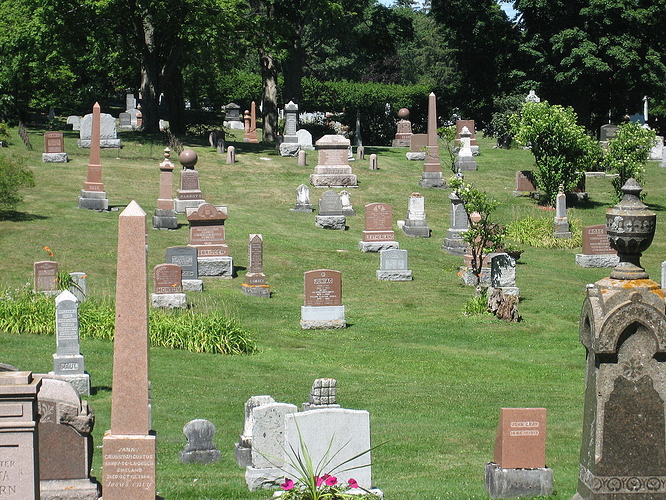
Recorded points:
(92,195)
(432,168)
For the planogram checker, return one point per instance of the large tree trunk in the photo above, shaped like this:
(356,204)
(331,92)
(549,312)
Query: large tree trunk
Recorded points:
(292,70)
(175,103)
(269,96)
(149,96)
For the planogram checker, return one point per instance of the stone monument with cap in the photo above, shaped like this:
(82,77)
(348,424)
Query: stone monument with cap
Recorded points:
(189,193)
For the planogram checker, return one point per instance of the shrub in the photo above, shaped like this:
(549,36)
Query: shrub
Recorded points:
(14,175)
(538,232)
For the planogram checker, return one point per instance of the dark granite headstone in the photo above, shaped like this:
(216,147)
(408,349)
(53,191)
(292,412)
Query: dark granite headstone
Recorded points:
(186,258)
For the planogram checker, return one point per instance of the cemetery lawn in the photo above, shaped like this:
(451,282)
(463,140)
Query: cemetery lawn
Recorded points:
(432,379)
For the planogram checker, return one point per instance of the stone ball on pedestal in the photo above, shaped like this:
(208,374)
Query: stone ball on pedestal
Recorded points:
(188,158)
(403,113)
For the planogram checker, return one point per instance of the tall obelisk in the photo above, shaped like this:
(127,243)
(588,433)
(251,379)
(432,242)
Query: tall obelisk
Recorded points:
(432,168)
(92,195)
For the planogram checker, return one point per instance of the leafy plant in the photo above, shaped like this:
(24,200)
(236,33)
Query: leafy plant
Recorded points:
(14,175)
(476,305)
(447,138)
(538,232)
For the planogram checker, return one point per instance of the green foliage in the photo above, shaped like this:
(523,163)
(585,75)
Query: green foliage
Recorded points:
(447,139)
(561,148)
(627,154)
(14,175)
(477,304)
(500,124)
(538,232)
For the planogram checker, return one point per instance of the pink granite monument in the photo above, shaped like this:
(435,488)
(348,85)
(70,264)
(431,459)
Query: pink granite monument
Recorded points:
(432,168)
(92,195)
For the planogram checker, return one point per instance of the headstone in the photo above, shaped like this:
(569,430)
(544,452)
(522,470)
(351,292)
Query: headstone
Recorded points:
(432,168)
(330,214)
(323,307)
(345,198)
(79,285)
(251,127)
(19,464)
(416,224)
(403,133)
(54,148)
(168,287)
(189,194)
(290,146)
(597,251)
(255,279)
(519,466)
(373,162)
(393,266)
(130,438)
(465,161)
(136,118)
(68,362)
(303,203)
(208,237)
(108,137)
(45,276)
(607,132)
(302,158)
(471,127)
(232,118)
(165,213)
(358,138)
(186,258)
(75,122)
(199,447)
(231,155)
(322,395)
(92,195)
(524,183)
(561,222)
(304,139)
(623,444)
(657,149)
(125,121)
(417,147)
(220,146)
(65,443)
(333,168)
(243,449)
(360,153)
(503,273)
(378,233)
(130,101)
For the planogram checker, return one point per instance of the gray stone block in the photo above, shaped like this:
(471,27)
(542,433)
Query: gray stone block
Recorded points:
(289,149)
(193,285)
(432,180)
(222,267)
(514,483)
(103,143)
(333,180)
(466,165)
(168,300)
(376,246)
(93,200)
(394,275)
(416,228)
(256,291)
(243,455)
(69,489)
(181,205)
(165,219)
(338,222)
(55,157)
(417,156)
(263,479)
(604,260)
(323,317)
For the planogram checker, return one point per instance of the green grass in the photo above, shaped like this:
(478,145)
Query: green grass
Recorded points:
(432,379)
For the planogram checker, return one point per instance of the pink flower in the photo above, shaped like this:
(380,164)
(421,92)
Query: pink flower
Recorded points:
(287,485)
(319,481)
(352,483)
(330,480)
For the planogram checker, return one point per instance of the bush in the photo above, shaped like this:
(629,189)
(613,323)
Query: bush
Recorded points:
(538,232)
(14,175)
(500,123)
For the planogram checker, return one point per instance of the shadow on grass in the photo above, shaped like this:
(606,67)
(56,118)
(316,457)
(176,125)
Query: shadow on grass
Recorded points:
(14,216)
(101,388)
(588,204)
(656,207)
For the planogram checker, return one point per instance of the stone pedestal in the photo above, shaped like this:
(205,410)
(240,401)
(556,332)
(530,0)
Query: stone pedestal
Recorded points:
(263,291)
(514,483)
(323,317)
(338,222)
(165,219)
(221,267)
(168,300)
(93,200)
(195,285)
(55,158)
(333,168)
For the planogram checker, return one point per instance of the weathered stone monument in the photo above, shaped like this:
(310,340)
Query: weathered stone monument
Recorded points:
(454,242)
(255,279)
(168,292)
(108,136)
(417,147)
(393,266)
(199,447)
(330,214)
(465,161)
(189,194)
(231,155)
(290,146)
(622,324)
(415,224)
(68,362)
(347,208)
(186,258)
(470,125)
(19,464)
(432,168)
(519,464)
(207,236)
(79,285)
(403,134)
(45,276)
(373,162)
(243,448)
(597,251)
(333,168)
(607,132)
(323,307)
(130,438)
(165,213)
(251,127)
(54,148)
(378,233)
(303,203)
(92,195)
(232,118)
(561,222)
(524,183)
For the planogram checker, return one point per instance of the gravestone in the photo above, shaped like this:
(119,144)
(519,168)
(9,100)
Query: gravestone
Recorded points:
(130,438)
(471,128)
(532,97)
(373,162)
(231,155)
(393,266)
(208,237)
(323,307)
(432,168)
(92,195)
(54,148)
(333,168)
(168,287)
(65,443)
(622,324)
(417,147)
(502,273)
(465,161)
(561,222)
(68,363)
(79,285)
(108,136)
(45,275)
(403,133)
(75,122)
(304,139)
(607,132)
(330,215)
(255,279)
(416,224)
(347,208)
(251,124)
(165,213)
(322,395)
(243,448)
(232,118)
(189,194)
(519,465)
(657,149)
(597,251)
(125,121)
(19,464)
(360,153)
(199,447)
(524,183)
(136,118)
(302,158)
(290,146)
(303,203)
(186,258)
(378,233)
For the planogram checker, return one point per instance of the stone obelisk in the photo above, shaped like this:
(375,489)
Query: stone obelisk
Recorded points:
(432,168)
(130,439)
(92,195)
(165,213)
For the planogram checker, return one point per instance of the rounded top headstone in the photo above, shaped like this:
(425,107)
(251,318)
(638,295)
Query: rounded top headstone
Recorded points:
(188,158)
(403,113)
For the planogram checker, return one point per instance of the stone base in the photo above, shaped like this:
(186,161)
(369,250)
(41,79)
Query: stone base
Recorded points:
(222,267)
(302,208)
(289,149)
(565,235)
(331,222)
(469,278)
(465,164)
(103,143)
(393,275)
(168,300)
(323,317)
(506,290)
(432,180)
(526,194)
(234,124)
(181,205)
(243,455)
(333,180)
(416,156)
(513,483)
(604,260)
(69,489)
(263,291)
(55,157)
(200,456)
(455,246)
(140,450)
(263,479)
(93,200)
(376,246)
(165,219)
(193,286)
(81,381)
(416,228)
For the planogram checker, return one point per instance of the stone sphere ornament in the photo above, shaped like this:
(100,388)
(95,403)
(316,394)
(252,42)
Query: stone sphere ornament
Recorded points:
(630,226)
(403,113)
(188,158)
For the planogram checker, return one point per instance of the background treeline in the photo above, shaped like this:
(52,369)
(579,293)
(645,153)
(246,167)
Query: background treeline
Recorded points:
(600,57)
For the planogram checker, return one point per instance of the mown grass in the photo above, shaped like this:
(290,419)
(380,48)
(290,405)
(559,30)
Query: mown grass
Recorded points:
(432,378)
